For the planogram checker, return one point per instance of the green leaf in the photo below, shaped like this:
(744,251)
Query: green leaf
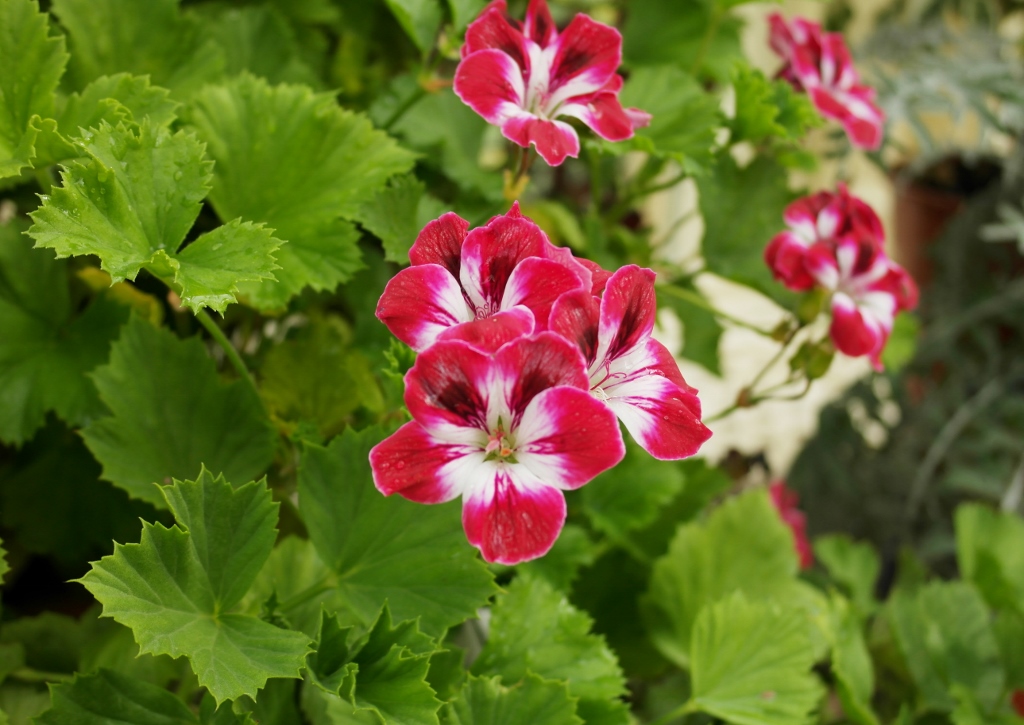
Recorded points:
(751,664)
(384,673)
(119,98)
(902,344)
(685,117)
(990,552)
(258,39)
(4,566)
(152,39)
(46,350)
(292,574)
(31,64)
(319,378)
(631,495)
(534,630)
(1008,629)
(49,641)
(484,701)
(325,162)
(742,546)
(176,589)
(54,503)
(464,11)
(944,634)
(854,566)
(413,557)
(19,703)
(152,437)
(573,549)
(769,108)
(397,214)
(131,202)
(419,18)
(851,664)
(704,39)
(742,210)
(108,697)
(449,132)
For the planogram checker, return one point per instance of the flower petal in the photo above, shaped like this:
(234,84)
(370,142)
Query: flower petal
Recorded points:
(554,140)
(421,302)
(448,392)
(566,437)
(492,30)
(603,114)
(419,467)
(490,333)
(628,308)
(860,117)
(785,256)
(491,83)
(440,242)
(536,283)
(540,26)
(526,367)
(575,316)
(490,254)
(855,331)
(598,274)
(588,55)
(662,416)
(514,517)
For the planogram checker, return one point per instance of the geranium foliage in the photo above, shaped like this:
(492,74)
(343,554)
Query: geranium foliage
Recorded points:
(336,384)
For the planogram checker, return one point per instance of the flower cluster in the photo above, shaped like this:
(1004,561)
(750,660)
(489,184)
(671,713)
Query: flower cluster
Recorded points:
(527,357)
(835,243)
(820,64)
(786,502)
(523,76)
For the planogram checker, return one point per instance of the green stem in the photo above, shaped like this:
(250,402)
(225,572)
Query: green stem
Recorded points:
(623,206)
(403,107)
(686,708)
(698,301)
(27,674)
(232,354)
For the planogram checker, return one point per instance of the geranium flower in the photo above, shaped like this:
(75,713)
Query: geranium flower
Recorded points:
(785,501)
(820,64)
(521,77)
(508,432)
(629,371)
(816,218)
(507,268)
(868,290)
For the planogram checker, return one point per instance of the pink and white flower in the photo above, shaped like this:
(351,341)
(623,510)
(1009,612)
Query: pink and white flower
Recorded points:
(816,218)
(868,290)
(507,431)
(507,269)
(786,502)
(633,374)
(523,76)
(820,64)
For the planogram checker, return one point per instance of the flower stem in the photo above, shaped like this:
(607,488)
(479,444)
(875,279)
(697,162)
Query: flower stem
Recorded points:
(229,350)
(403,107)
(698,301)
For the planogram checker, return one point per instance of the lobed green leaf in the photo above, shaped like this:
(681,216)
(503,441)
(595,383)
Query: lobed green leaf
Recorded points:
(108,697)
(485,701)
(176,588)
(152,437)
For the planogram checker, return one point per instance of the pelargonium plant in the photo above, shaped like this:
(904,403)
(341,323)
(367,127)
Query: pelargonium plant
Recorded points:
(387,420)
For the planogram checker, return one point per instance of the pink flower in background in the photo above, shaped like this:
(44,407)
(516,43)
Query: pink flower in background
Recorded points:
(507,431)
(868,290)
(820,64)
(523,76)
(632,373)
(507,269)
(819,217)
(785,501)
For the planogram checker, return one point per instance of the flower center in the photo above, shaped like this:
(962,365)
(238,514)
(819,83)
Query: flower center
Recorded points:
(500,446)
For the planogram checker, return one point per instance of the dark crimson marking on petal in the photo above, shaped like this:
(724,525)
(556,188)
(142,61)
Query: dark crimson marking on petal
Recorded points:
(633,315)
(543,362)
(440,242)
